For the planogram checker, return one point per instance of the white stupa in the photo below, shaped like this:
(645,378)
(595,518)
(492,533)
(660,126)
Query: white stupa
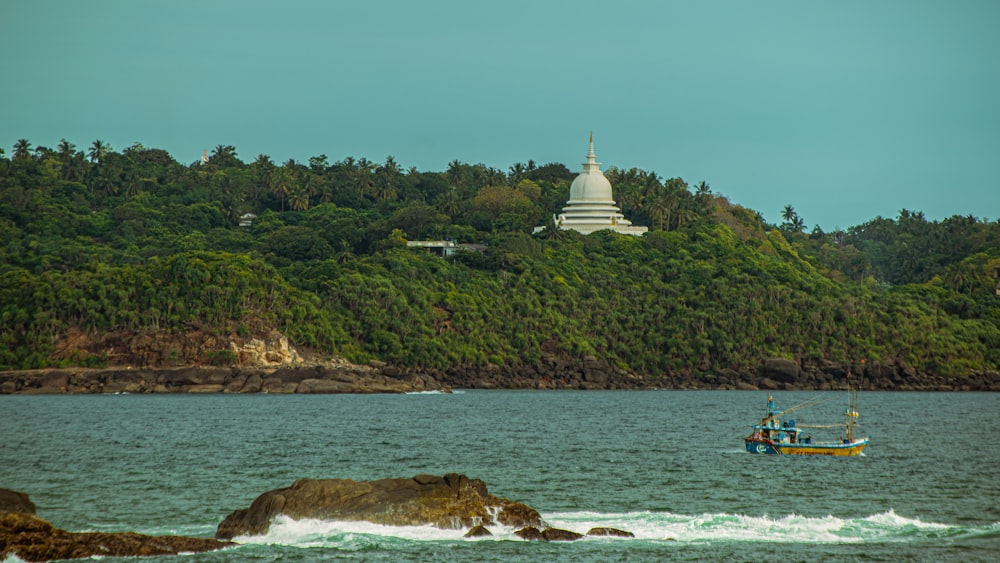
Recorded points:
(591,207)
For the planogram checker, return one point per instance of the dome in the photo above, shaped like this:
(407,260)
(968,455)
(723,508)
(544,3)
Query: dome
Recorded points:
(591,206)
(591,185)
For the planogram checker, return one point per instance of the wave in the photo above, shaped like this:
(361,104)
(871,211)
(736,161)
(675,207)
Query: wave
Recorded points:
(886,527)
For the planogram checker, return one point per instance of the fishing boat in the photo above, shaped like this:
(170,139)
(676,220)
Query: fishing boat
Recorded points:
(779,435)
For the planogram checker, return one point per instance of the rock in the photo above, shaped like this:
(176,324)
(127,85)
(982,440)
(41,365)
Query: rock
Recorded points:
(452,501)
(556,534)
(123,381)
(769,384)
(29,538)
(32,539)
(610,532)
(13,501)
(207,388)
(530,533)
(323,386)
(274,384)
(477,532)
(53,382)
(253,384)
(783,370)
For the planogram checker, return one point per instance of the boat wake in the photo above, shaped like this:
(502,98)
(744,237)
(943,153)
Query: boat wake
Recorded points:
(886,527)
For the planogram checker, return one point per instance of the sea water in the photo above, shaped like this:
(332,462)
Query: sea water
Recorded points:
(669,466)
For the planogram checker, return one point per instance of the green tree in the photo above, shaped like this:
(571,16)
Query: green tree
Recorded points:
(22,149)
(98,151)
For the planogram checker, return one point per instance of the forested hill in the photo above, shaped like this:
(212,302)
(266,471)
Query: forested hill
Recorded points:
(98,247)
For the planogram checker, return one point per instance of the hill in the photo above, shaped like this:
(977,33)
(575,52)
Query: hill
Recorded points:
(132,258)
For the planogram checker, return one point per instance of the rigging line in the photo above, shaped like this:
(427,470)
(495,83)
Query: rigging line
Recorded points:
(810,403)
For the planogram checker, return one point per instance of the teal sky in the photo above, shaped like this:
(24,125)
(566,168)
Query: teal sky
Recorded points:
(845,110)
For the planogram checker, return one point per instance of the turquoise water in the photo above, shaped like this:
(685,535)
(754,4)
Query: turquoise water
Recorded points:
(667,465)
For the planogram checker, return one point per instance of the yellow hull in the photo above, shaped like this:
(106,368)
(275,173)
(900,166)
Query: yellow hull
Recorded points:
(837,450)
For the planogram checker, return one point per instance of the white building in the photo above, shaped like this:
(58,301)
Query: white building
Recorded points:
(591,206)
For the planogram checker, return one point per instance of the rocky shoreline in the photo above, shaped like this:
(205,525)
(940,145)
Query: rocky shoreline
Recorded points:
(551,373)
(451,501)
(24,535)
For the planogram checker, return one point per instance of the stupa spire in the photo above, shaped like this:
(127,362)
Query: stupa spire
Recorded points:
(591,206)
(592,164)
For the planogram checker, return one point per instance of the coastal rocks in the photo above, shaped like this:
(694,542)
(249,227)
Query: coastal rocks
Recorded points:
(780,369)
(29,538)
(451,501)
(532,533)
(340,376)
(604,532)
(13,501)
(344,378)
(477,531)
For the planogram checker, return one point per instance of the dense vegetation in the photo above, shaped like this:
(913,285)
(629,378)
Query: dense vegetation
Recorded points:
(101,242)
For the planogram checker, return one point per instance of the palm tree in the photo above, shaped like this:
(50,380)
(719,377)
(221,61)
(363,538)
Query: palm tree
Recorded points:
(282,183)
(658,208)
(515,173)
(263,170)
(455,173)
(298,198)
(793,223)
(448,202)
(344,255)
(362,178)
(683,213)
(385,180)
(22,149)
(66,150)
(319,164)
(134,186)
(789,213)
(495,177)
(97,151)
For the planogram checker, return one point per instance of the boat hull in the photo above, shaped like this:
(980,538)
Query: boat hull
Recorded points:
(769,447)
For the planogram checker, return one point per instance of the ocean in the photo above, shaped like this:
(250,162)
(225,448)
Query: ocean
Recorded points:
(669,466)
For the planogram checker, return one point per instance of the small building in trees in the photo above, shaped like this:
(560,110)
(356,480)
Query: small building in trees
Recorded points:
(591,206)
(444,248)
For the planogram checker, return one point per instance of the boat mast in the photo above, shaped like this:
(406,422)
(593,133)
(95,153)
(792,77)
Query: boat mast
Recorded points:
(851,416)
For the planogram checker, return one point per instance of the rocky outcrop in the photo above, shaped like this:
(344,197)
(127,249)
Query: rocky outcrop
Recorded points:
(615,532)
(336,378)
(13,501)
(168,348)
(770,374)
(773,374)
(451,501)
(478,532)
(532,533)
(29,538)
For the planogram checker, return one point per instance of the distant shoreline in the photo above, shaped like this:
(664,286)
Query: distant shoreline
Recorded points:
(773,375)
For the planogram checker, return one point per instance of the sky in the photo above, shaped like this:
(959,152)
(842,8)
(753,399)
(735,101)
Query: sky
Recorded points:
(844,110)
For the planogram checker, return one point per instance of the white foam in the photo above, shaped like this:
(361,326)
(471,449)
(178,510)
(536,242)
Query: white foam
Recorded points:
(649,526)
(310,532)
(792,528)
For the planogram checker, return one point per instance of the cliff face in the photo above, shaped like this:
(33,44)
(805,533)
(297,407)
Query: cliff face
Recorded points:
(161,348)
